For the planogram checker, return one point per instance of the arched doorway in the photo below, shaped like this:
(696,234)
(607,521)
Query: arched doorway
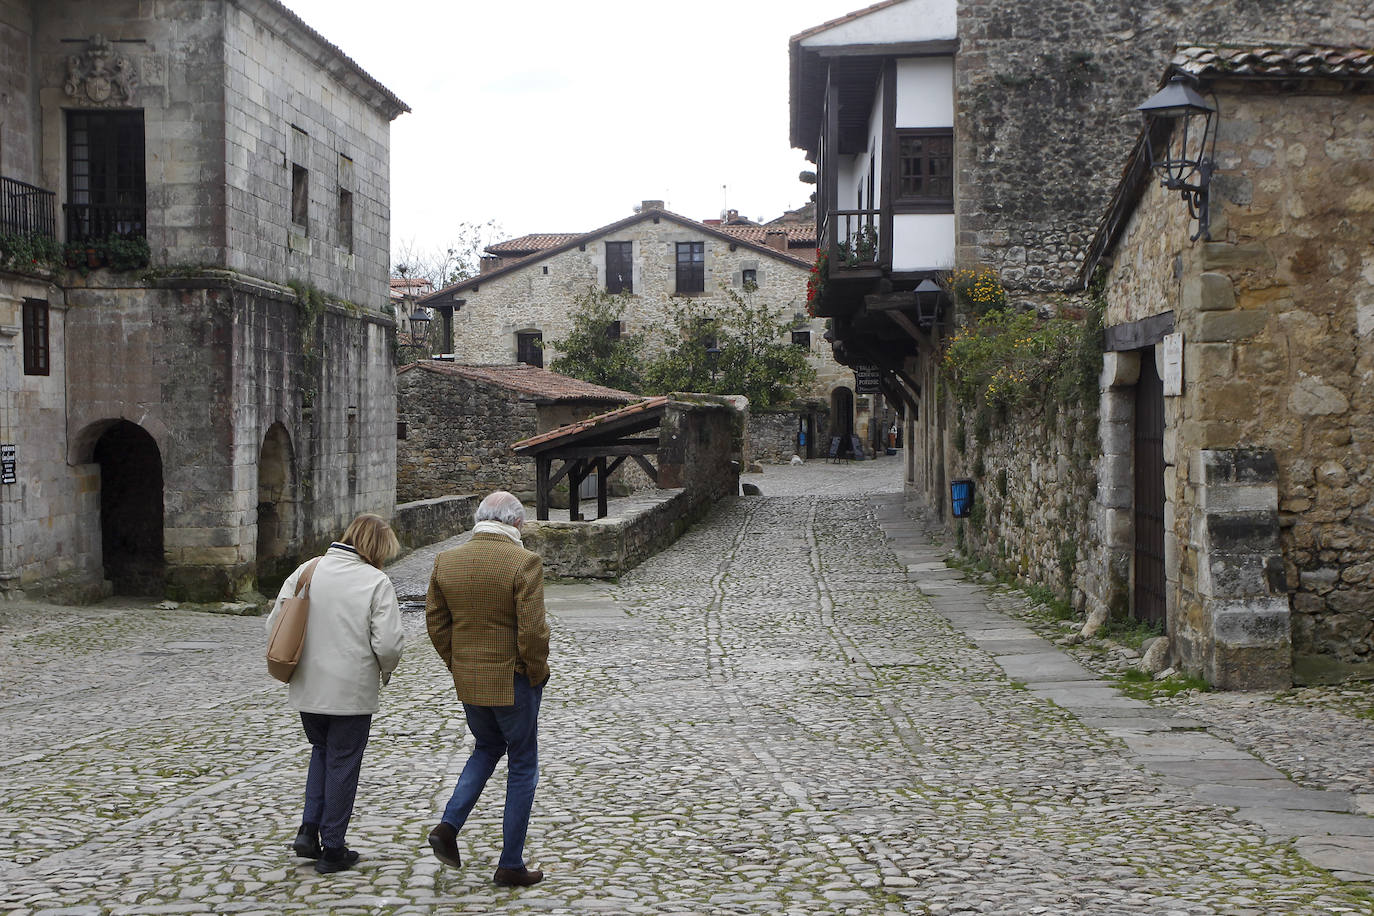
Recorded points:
(842,418)
(131,509)
(276,509)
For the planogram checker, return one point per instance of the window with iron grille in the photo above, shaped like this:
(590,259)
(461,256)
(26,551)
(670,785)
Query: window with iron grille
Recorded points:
(36,352)
(529,348)
(925,170)
(619,268)
(106,175)
(691,267)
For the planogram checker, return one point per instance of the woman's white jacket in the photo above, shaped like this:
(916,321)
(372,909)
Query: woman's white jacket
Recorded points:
(352,640)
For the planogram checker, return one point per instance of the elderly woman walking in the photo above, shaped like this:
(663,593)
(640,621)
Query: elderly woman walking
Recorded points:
(353,642)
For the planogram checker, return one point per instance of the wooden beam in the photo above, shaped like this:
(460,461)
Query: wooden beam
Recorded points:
(633,447)
(601,486)
(906,324)
(542,485)
(648,468)
(615,464)
(567,466)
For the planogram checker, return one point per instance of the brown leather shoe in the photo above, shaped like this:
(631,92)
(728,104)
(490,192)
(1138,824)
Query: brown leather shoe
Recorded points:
(443,839)
(518,877)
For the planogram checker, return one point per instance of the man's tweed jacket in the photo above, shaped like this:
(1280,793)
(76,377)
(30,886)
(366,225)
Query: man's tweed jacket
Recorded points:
(485,613)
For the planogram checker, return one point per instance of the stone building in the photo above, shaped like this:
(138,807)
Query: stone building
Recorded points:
(1027,196)
(193,427)
(524,294)
(456,424)
(1240,371)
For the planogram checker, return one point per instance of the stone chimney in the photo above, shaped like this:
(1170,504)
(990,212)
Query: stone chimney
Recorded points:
(731,216)
(651,205)
(489,263)
(776,239)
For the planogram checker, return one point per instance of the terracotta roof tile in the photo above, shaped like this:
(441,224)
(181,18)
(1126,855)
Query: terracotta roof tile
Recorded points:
(1276,61)
(581,426)
(797,236)
(529,380)
(528,244)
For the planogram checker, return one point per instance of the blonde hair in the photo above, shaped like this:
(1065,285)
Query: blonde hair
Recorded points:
(373,538)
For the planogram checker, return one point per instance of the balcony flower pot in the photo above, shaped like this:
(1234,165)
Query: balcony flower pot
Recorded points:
(93,258)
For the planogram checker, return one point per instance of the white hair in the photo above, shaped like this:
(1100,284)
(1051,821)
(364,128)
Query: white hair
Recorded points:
(503,507)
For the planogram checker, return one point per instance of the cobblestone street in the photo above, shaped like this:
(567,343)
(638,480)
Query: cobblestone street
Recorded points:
(769,717)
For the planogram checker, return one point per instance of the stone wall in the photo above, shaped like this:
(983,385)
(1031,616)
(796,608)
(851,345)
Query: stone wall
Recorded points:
(696,469)
(1032,189)
(773,435)
(1278,352)
(427,521)
(1034,483)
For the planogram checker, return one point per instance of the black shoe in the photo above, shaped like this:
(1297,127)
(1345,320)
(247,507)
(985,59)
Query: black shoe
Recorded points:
(443,839)
(518,877)
(333,860)
(307,843)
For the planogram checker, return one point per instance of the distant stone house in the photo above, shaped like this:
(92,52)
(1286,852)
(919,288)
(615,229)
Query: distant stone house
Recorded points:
(456,424)
(1236,482)
(192,429)
(521,301)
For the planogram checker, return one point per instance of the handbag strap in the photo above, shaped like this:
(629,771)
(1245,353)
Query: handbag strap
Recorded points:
(303,583)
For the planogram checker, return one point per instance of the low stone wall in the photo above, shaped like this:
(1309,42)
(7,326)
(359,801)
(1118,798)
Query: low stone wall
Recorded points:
(773,434)
(609,547)
(426,521)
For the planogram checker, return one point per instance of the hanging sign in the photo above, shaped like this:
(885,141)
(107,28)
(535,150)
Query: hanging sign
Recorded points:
(7,464)
(866,380)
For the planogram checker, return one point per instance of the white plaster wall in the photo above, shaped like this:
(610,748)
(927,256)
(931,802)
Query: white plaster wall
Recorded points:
(923,241)
(925,92)
(915,20)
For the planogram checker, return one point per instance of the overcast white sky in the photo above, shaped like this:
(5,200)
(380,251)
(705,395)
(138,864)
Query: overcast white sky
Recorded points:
(558,116)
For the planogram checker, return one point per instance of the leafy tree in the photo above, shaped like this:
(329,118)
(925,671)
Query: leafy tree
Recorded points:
(590,351)
(737,347)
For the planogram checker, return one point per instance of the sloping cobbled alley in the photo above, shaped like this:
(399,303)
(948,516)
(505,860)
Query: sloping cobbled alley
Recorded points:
(768,717)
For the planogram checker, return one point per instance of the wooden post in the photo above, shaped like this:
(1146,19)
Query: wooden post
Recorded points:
(541,488)
(575,478)
(601,487)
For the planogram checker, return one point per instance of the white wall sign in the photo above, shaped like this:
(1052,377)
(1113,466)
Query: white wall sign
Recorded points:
(1171,363)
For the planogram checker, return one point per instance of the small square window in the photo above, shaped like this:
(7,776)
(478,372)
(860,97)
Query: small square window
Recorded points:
(614,330)
(749,278)
(801,339)
(36,352)
(401,429)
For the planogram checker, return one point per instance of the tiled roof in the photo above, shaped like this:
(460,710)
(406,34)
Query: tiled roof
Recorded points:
(797,237)
(527,244)
(575,430)
(530,380)
(1276,61)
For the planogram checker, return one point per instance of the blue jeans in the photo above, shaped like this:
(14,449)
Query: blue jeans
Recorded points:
(511,731)
(336,757)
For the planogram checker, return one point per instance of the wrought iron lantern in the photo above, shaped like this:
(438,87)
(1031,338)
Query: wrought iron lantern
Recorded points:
(928,301)
(1188,155)
(419,326)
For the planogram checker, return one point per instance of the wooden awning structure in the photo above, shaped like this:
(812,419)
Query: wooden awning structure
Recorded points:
(597,444)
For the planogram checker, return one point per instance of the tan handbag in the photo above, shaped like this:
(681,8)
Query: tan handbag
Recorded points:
(288,632)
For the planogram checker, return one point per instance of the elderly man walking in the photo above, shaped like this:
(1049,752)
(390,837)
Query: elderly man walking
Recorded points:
(485,613)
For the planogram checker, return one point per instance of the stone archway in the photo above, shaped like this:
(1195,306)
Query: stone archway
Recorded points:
(131,509)
(277,509)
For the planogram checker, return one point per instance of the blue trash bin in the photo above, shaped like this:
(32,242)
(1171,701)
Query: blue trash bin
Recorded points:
(961,497)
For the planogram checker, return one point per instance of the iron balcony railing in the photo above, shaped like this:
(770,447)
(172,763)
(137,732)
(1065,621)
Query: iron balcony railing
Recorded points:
(26,210)
(97,221)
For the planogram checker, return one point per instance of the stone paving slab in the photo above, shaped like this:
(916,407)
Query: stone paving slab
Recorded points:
(1034,668)
(1281,795)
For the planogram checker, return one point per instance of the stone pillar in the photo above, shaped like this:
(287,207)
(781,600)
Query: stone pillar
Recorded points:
(1248,643)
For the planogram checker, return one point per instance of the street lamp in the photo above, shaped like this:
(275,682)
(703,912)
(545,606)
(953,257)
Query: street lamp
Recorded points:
(1188,157)
(928,294)
(419,326)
